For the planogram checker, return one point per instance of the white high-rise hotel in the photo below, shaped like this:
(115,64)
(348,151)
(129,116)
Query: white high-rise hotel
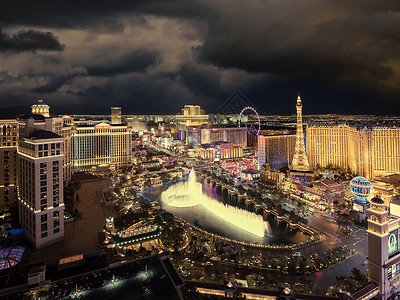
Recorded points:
(40,180)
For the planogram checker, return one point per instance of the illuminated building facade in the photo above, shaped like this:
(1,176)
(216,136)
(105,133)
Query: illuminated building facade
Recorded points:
(101,144)
(201,135)
(116,116)
(8,170)
(40,180)
(276,150)
(300,161)
(41,108)
(383,249)
(235,135)
(220,150)
(368,150)
(192,115)
(62,127)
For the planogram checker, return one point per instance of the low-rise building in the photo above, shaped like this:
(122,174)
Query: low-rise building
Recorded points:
(326,190)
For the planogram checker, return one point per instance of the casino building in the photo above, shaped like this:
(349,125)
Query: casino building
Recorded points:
(101,144)
(368,150)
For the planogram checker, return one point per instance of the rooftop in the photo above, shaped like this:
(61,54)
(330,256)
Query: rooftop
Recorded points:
(10,257)
(43,134)
(36,117)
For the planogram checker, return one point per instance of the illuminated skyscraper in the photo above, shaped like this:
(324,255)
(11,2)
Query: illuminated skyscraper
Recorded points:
(300,161)
(8,170)
(276,150)
(116,116)
(101,144)
(368,150)
(192,115)
(40,180)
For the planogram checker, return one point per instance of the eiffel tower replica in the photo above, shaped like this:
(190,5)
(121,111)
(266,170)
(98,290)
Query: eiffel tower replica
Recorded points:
(300,161)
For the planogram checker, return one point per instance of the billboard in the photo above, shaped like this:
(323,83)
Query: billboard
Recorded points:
(393,242)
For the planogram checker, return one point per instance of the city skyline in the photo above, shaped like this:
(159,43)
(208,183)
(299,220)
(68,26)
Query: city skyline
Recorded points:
(153,57)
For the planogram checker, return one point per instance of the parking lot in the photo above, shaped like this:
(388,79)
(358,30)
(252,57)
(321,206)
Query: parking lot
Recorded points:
(144,279)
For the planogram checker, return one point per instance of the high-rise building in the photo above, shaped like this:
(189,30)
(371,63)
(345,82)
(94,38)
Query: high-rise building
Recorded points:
(276,150)
(41,108)
(300,161)
(192,115)
(62,127)
(101,144)
(8,169)
(383,249)
(192,110)
(368,150)
(40,180)
(235,135)
(116,116)
(261,151)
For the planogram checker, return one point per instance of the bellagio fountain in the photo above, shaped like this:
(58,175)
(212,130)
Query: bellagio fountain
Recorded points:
(189,193)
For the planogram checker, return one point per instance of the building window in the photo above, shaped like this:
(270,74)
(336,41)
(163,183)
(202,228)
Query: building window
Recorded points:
(43,207)
(56,223)
(43,227)
(43,189)
(43,165)
(43,202)
(57,230)
(43,235)
(46,147)
(43,218)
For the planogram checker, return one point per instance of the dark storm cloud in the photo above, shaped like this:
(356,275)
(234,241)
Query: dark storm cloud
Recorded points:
(96,15)
(158,55)
(200,81)
(132,62)
(30,40)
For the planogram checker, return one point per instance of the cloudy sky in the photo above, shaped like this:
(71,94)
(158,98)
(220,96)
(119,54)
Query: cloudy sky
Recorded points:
(154,56)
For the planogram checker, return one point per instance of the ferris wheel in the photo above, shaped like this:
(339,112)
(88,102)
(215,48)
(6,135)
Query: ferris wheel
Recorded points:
(252,129)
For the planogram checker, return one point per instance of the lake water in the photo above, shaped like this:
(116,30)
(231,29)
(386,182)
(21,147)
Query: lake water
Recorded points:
(280,233)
